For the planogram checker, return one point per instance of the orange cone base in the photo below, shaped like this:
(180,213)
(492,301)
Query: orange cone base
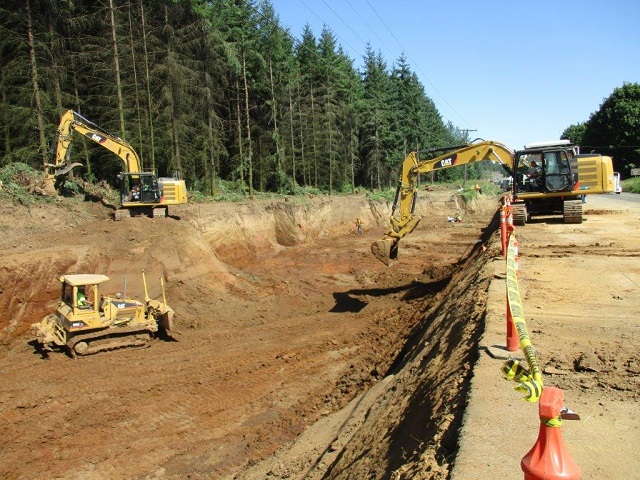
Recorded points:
(549,458)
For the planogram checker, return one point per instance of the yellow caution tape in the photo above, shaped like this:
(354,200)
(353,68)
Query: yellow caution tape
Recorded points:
(530,381)
(512,370)
(555,422)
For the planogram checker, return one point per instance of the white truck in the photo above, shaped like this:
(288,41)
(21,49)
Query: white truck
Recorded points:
(617,186)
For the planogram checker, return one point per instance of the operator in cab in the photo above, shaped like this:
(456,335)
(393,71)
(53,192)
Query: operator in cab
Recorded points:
(534,175)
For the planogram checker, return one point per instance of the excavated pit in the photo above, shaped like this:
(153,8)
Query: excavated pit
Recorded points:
(287,325)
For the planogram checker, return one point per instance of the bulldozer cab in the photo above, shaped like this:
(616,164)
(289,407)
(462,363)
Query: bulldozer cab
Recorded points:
(80,292)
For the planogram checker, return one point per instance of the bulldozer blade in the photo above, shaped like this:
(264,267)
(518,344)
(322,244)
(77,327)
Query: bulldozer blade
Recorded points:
(385,250)
(165,321)
(163,315)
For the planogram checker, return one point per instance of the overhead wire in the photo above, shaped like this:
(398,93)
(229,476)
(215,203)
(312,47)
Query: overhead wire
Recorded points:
(415,64)
(369,27)
(345,23)
(327,25)
(403,49)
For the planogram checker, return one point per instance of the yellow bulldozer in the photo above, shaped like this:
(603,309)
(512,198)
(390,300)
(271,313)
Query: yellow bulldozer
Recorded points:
(86,322)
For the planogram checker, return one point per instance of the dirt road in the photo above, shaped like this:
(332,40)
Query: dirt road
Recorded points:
(286,321)
(581,291)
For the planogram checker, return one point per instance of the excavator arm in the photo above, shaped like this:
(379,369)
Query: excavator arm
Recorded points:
(72,122)
(403,220)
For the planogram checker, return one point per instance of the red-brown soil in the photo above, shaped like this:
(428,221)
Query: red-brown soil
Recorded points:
(289,330)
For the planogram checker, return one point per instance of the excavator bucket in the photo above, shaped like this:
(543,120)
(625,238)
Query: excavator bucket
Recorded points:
(385,250)
(67,169)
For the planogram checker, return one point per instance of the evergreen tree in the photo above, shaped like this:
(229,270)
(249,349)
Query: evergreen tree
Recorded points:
(307,57)
(214,89)
(376,123)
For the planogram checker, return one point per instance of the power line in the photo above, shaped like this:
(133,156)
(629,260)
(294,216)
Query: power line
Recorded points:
(415,63)
(345,23)
(326,24)
(369,27)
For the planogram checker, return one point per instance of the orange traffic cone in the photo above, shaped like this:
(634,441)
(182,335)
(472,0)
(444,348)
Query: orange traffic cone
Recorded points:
(549,458)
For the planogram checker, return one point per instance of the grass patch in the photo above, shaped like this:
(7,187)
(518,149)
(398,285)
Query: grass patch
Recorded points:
(631,185)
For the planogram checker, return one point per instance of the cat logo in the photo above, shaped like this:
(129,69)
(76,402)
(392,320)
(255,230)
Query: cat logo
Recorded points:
(446,162)
(96,138)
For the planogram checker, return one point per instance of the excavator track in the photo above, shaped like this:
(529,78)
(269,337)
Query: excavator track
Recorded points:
(572,211)
(519,214)
(121,213)
(109,339)
(160,212)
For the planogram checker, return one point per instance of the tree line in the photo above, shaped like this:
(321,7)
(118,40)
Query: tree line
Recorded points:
(614,129)
(217,90)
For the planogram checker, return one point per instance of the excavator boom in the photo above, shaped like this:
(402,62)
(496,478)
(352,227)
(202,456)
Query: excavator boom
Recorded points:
(403,219)
(72,122)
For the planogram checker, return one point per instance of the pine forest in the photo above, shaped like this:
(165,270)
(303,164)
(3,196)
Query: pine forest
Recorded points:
(218,91)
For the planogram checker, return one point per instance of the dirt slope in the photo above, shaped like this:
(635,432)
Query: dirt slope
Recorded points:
(285,318)
(580,288)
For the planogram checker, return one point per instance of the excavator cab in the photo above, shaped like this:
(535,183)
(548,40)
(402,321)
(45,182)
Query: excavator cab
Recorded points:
(139,188)
(556,170)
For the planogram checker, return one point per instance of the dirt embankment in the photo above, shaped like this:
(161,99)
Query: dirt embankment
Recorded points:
(300,355)
(284,317)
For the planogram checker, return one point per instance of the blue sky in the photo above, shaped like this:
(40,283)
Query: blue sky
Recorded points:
(515,71)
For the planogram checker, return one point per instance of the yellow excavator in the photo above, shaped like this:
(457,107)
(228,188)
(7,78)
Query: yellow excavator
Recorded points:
(561,178)
(140,191)
(86,322)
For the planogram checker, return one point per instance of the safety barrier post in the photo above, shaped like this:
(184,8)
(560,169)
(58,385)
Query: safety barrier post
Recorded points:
(512,335)
(549,458)
(503,229)
(516,254)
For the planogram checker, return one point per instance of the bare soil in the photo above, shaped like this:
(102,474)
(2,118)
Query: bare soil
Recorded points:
(300,355)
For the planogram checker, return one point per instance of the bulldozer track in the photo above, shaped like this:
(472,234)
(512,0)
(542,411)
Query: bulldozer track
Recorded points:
(109,339)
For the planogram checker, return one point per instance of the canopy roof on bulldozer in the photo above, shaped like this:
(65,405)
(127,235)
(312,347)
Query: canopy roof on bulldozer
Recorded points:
(78,279)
